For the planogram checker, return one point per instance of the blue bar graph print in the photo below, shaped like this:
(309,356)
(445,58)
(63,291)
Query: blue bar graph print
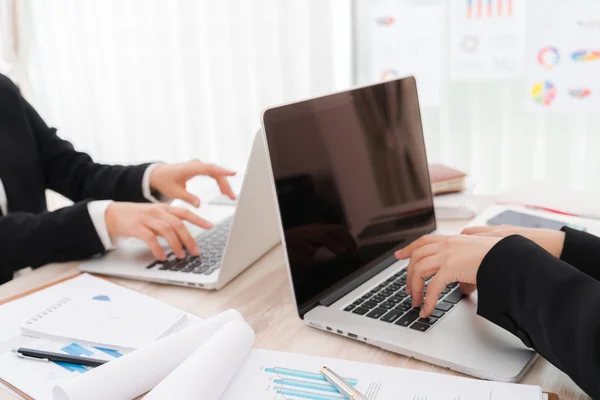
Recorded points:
(303,374)
(308,395)
(110,352)
(76,350)
(325,387)
(303,385)
(71,367)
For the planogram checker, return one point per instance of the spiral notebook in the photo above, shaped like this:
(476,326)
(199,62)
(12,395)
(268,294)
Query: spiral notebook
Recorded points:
(102,322)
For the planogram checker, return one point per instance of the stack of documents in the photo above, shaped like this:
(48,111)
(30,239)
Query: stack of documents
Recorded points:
(215,361)
(211,359)
(93,328)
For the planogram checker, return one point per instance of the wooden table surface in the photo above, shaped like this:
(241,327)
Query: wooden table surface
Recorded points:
(263,296)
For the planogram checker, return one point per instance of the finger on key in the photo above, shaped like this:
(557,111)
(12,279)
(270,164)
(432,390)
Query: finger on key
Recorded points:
(182,232)
(165,230)
(437,284)
(425,268)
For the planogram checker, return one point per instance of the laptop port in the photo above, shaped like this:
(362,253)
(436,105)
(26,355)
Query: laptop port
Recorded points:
(329,328)
(340,332)
(352,335)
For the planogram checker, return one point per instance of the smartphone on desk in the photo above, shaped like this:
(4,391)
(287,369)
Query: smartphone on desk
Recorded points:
(525,220)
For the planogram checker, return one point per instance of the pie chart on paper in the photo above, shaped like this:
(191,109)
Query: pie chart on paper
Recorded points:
(543,93)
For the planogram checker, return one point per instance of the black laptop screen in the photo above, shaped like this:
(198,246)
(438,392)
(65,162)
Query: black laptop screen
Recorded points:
(352,183)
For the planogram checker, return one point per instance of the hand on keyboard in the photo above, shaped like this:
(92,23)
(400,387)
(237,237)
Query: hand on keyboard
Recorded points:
(212,243)
(448,259)
(388,302)
(147,221)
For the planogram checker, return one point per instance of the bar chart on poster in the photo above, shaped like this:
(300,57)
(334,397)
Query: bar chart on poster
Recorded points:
(501,82)
(489,8)
(487,39)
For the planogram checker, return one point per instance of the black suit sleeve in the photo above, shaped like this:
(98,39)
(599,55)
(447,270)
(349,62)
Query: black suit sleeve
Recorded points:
(74,174)
(550,305)
(35,239)
(582,251)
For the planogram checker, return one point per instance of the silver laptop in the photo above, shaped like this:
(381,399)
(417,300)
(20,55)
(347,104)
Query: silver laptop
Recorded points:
(241,235)
(352,186)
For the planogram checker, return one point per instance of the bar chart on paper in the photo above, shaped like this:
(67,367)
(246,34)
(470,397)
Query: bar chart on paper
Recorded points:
(37,379)
(273,375)
(75,349)
(302,385)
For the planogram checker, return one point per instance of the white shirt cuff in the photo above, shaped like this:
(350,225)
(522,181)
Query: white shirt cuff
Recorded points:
(97,210)
(147,190)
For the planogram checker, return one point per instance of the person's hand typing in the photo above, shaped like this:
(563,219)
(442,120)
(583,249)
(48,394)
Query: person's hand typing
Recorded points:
(147,221)
(170,179)
(448,259)
(552,241)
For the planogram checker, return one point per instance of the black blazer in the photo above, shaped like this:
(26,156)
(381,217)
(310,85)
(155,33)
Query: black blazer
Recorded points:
(32,159)
(551,304)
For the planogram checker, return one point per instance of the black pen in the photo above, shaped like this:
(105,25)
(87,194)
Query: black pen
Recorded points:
(41,355)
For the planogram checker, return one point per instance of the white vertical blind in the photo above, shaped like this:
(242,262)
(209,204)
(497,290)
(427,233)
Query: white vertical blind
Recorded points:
(7,35)
(484,128)
(137,80)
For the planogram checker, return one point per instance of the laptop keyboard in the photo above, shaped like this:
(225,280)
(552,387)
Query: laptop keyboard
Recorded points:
(388,302)
(212,246)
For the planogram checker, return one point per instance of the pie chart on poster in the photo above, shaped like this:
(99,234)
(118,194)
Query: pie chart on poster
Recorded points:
(543,93)
(548,57)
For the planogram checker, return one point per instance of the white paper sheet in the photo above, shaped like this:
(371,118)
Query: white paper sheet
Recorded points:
(407,40)
(34,378)
(38,378)
(563,58)
(140,371)
(207,372)
(487,39)
(268,375)
(105,321)
(83,287)
(544,194)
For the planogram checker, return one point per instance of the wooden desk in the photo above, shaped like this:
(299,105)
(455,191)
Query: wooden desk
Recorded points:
(262,295)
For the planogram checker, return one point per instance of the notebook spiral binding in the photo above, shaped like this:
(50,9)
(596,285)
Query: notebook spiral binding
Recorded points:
(48,310)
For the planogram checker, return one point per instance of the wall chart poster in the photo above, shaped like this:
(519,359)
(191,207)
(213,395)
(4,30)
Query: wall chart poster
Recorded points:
(563,59)
(407,40)
(487,39)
